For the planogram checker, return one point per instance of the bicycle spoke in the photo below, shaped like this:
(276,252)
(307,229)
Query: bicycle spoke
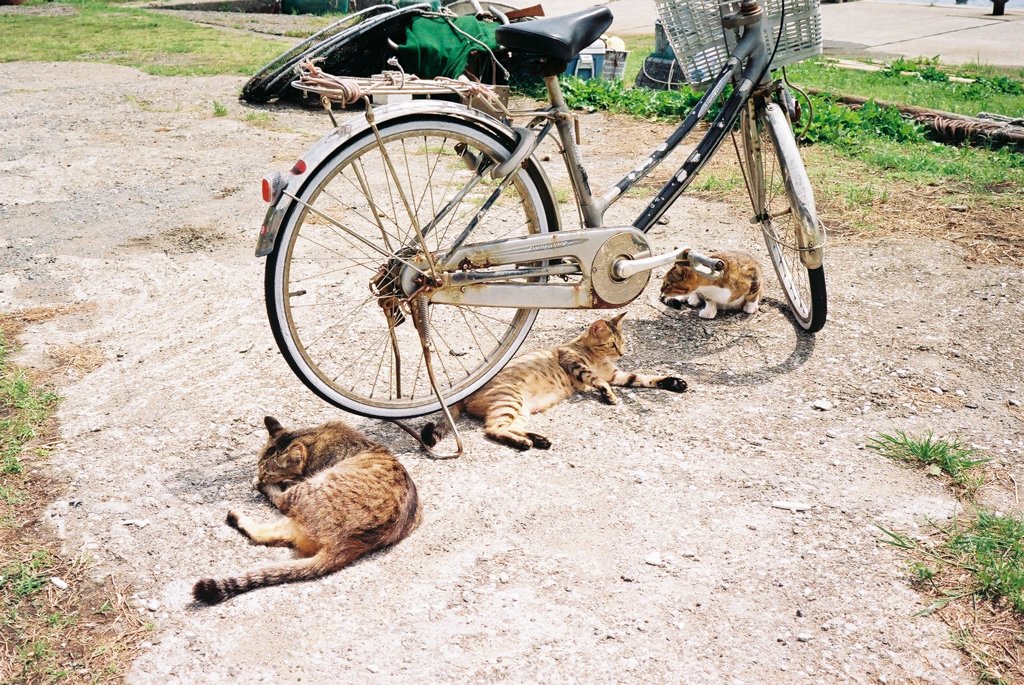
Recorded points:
(360,225)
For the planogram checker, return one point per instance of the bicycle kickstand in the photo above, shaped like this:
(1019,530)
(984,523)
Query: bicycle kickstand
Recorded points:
(420,319)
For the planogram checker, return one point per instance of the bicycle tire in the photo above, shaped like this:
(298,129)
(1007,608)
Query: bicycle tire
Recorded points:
(318,268)
(783,203)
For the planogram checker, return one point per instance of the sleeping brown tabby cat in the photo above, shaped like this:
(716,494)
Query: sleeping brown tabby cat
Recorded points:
(539,380)
(738,286)
(346,495)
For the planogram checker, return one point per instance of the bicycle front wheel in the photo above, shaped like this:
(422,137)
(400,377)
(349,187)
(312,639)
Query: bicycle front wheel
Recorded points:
(333,284)
(783,204)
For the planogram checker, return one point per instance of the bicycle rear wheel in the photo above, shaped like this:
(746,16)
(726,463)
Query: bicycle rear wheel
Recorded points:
(333,290)
(783,204)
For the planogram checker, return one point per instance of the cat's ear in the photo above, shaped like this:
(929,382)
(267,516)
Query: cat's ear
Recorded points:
(274,426)
(297,455)
(615,322)
(599,328)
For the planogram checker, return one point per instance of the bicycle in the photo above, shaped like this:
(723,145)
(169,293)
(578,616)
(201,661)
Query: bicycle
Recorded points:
(410,249)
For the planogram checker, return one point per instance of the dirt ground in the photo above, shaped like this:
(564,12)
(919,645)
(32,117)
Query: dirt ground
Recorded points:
(642,547)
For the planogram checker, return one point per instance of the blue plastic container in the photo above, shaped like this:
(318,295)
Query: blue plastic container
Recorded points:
(589,63)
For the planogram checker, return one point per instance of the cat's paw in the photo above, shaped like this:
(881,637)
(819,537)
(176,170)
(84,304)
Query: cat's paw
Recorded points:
(672,384)
(750,307)
(539,441)
(271,490)
(609,397)
(234,520)
(708,313)
(428,434)
(693,299)
(673,302)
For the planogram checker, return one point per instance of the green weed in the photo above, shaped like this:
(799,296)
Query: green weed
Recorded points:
(616,96)
(11,495)
(712,183)
(263,120)
(219,110)
(930,86)
(938,456)
(974,568)
(25,578)
(993,546)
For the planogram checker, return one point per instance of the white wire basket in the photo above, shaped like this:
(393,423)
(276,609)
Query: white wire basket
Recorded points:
(694,29)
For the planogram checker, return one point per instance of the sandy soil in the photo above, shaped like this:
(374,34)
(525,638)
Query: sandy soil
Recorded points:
(642,547)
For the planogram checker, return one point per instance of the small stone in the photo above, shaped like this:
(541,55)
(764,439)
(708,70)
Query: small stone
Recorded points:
(831,434)
(1013,402)
(971,405)
(503,578)
(822,405)
(626,578)
(59,583)
(373,668)
(804,637)
(792,506)
(937,390)
(653,559)
(958,208)
(153,605)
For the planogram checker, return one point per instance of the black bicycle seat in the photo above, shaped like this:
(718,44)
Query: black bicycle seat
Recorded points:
(561,38)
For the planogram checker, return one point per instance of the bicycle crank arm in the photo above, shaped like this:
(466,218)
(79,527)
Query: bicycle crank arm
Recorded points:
(591,254)
(624,268)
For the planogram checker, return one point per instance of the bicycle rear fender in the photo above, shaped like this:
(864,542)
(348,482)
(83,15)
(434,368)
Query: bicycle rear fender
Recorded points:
(324,150)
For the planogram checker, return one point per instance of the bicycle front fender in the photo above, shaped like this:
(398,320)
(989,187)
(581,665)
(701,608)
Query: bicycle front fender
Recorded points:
(809,234)
(352,128)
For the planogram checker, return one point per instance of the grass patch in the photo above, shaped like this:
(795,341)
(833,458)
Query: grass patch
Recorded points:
(219,110)
(155,43)
(930,86)
(640,47)
(974,570)
(937,456)
(52,628)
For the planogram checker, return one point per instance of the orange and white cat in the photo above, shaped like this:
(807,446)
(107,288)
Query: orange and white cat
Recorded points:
(738,286)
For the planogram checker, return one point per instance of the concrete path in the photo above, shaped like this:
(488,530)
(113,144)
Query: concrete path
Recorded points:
(869,27)
(955,34)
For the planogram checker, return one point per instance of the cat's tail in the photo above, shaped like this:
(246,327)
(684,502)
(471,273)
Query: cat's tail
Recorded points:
(434,431)
(755,288)
(214,590)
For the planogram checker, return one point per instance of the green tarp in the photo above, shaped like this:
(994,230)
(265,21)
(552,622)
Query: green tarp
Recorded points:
(433,48)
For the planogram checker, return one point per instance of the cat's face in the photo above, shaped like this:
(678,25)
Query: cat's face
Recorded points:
(681,280)
(281,462)
(605,336)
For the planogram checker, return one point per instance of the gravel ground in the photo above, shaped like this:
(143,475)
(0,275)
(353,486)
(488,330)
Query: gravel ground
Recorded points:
(642,547)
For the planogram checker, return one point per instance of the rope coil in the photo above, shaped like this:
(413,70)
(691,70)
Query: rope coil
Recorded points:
(347,90)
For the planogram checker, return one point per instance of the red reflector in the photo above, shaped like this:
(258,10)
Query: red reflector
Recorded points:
(263,230)
(299,168)
(265,186)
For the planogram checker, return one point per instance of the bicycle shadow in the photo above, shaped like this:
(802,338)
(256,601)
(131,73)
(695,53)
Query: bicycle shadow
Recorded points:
(734,349)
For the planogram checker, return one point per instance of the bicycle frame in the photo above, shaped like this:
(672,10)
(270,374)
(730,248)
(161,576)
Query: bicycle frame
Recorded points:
(612,265)
(614,262)
(750,45)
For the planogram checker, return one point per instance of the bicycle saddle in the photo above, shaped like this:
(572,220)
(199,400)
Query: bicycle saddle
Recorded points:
(560,38)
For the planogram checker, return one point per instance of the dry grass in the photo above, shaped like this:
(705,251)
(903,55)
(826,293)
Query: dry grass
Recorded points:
(75,360)
(989,634)
(985,623)
(858,203)
(56,623)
